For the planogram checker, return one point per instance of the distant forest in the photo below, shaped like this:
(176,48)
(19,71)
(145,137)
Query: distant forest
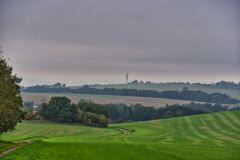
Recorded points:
(220,84)
(228,85)
(184,94)
(137,112)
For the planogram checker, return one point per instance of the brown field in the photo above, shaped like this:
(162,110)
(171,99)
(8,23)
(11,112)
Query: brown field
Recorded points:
(39,98)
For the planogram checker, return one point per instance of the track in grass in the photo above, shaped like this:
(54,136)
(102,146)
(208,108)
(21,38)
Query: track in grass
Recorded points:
(209,136)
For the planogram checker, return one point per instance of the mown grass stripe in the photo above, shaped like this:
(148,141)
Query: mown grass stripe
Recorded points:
(193,129)
(233,119)
(234,114)
(227,124)
(214,130)
(189,133)
(203,131)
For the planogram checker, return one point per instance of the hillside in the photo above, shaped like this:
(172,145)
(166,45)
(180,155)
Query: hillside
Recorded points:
(173,86)
(209,136)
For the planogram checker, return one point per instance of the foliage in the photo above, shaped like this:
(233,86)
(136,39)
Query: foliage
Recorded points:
(90,106)
(123,113)
(228,85)
(60,109)
(10,99)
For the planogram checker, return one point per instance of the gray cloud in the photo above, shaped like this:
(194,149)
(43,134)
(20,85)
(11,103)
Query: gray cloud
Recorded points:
(97,41)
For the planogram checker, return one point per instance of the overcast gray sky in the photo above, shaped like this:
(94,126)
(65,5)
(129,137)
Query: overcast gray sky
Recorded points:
(97,41)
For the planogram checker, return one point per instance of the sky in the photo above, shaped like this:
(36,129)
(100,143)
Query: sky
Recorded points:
(97,41)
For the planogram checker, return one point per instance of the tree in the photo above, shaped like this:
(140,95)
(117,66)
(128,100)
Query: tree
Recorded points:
(58,109)
(103,120)
(10,99)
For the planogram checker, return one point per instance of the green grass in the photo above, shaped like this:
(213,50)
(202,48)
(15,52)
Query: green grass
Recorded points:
(164,86)
(214,136)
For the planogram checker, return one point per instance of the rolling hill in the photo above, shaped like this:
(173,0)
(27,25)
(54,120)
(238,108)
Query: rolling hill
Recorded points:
(214,136)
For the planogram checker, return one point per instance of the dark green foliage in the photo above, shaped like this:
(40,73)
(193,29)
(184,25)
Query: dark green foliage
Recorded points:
(122,112)
(47,89)
(94,119)
(10,99)
(60,109)
(90,106)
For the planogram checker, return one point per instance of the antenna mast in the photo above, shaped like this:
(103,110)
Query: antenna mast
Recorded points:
(1,50)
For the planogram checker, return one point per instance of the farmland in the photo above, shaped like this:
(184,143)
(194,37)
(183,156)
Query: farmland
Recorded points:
(208,136)
(39,98)
(173,86)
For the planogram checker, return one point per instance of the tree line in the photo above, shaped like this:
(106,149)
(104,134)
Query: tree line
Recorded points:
(184,94)
(228,85)
(220,84)
(138,112)
(60,109)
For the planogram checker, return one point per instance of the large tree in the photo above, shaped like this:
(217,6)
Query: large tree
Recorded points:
(58,109)
(10,99)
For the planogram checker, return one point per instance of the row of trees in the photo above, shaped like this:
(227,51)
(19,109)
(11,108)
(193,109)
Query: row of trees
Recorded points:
(228,85)
(184,94)
(220,84)
(122,112)
(60,109)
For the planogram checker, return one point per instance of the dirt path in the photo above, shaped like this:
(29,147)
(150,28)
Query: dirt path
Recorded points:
(15,147)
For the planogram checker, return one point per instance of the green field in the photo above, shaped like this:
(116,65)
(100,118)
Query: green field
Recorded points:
(178,86)
(214,136)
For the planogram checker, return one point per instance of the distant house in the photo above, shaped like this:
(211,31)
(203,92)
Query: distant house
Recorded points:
(28,105)
(35,108)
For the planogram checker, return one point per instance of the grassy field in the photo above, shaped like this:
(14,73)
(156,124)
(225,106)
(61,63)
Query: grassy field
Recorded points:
(39,98)
(165,86)
(214,136)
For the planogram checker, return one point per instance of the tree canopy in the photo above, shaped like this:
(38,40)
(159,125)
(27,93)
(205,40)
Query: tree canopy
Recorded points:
(10,99)
(60,109)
